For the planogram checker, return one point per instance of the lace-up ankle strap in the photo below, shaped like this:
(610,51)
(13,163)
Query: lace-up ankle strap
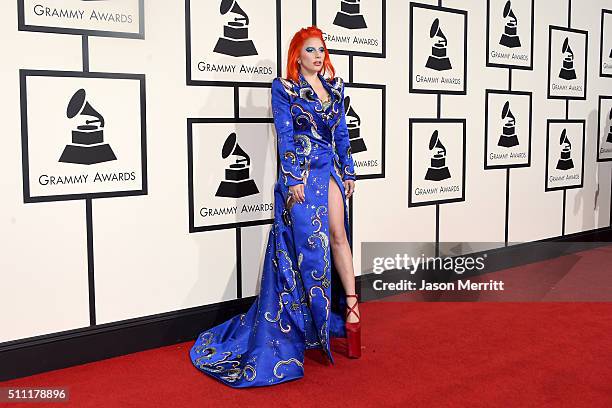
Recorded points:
(351,309)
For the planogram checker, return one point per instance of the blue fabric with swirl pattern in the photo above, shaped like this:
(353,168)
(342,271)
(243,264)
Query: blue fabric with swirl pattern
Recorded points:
(301,300)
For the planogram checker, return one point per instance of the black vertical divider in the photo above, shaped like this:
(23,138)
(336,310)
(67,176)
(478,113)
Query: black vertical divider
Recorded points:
(279,30)
(89,217)
(437,254)
(610,217)
(563,216)
(239,262)
(438,116)
(507,206)
(90,262)
(569,25)
(238,229)
(85,52)
(507,212)
(236,101)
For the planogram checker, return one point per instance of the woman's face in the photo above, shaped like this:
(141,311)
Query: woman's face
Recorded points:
(312,55)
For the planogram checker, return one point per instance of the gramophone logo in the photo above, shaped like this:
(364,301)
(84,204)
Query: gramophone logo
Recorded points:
(567,70)
(87,145)
(609,138)
(508,137)
(438,60)
(565,160)
(353,123)
(350,15)
(238,182)
(437,170)
(235,41)
(510,38)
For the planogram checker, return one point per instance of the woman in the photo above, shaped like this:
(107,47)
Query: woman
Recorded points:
(306,294)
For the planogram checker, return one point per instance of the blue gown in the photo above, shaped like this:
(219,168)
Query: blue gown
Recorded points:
(301,303)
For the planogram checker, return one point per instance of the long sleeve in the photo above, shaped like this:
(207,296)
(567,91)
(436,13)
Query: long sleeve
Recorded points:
(289,163)
(343,145)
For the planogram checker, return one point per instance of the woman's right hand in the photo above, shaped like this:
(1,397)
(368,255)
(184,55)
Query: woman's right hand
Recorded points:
(297,191)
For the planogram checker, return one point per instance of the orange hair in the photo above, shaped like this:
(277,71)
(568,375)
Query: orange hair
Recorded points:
(294,52)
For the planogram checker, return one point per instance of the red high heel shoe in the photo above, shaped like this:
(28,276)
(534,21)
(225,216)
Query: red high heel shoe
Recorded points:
(353,331)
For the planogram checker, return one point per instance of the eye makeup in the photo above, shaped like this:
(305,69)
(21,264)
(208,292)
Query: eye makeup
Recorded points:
(311,49)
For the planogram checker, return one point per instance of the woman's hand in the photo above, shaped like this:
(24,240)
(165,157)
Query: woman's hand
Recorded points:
(349,187)
(297,191)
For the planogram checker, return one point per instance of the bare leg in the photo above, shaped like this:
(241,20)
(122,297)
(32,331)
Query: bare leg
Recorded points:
(343,259)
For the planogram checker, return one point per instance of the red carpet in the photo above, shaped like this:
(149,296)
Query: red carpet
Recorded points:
(418,354)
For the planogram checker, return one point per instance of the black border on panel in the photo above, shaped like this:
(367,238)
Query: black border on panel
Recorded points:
(411,88)
(192,227)
(486,129)
(382,54)
(383,89)
(198,82)
(601,53)
(493,64)
(411,121)
(586,53)
(22,26)
(599,127)
(548,123)
(23,73)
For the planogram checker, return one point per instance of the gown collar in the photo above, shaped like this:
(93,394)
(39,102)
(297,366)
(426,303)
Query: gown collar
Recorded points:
(304,83)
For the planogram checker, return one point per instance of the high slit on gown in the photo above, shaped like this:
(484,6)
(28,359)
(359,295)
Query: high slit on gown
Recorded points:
(301,301)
